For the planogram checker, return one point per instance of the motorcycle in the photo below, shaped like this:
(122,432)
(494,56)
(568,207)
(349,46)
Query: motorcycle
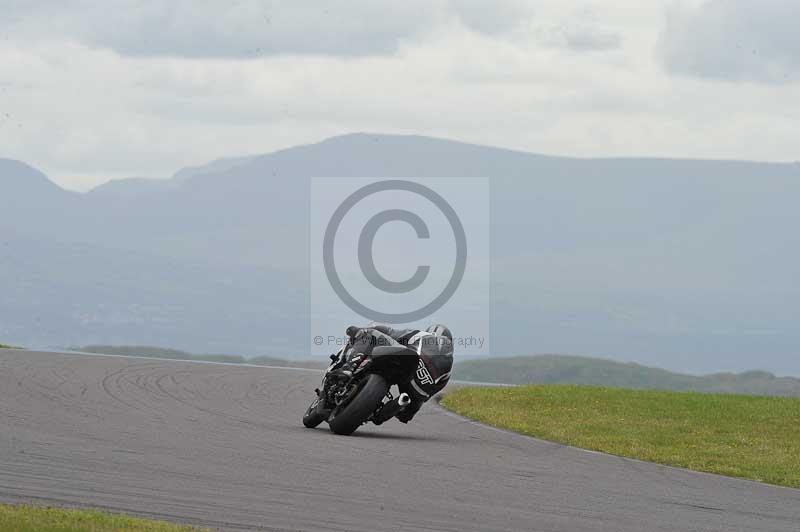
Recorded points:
(348,401)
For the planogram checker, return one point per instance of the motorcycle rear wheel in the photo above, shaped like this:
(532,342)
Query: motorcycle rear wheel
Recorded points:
(347,418)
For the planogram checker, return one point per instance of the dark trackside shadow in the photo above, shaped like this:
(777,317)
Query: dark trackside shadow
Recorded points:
(393,436)
(367,434)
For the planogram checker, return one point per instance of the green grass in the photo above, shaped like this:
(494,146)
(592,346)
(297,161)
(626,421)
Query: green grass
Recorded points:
(751,437)
(564,369)
(36,519)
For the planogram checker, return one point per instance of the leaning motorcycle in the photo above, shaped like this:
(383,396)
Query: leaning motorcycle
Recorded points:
(347,402)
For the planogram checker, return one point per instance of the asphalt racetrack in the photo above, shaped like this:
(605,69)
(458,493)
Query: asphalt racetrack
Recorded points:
(223,446)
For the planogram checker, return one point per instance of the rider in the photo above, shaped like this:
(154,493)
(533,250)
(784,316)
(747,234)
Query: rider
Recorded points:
(434,347)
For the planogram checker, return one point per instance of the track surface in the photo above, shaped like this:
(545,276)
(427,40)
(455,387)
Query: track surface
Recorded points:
(223,446)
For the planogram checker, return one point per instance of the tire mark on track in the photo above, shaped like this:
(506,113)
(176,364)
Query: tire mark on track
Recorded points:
(206,410)
(250,463)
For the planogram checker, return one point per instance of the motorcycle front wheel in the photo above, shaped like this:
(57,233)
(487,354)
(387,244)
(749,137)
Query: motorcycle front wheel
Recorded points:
(346,418)
(313,416)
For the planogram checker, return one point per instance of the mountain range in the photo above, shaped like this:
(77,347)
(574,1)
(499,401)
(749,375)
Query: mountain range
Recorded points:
(688,265)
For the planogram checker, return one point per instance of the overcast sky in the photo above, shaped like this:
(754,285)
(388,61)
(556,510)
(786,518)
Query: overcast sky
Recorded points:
(93,90)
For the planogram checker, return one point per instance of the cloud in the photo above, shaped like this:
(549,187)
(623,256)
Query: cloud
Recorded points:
(736,40)
(492,17)
(579,37)
(84,112)
(252,28)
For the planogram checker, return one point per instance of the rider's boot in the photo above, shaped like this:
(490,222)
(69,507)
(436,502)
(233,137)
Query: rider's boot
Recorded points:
(391,409)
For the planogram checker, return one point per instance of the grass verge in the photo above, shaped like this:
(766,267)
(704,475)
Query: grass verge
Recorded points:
(751,437)
(586,371)
(23,518)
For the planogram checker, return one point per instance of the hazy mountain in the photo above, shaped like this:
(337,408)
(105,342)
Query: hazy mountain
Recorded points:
(135,187)
(22,182)
(130,188)
(26,191)
(29,201)
(219,165)
(60,294)
(688,265)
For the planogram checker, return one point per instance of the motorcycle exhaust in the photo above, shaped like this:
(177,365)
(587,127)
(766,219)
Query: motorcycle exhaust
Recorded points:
(392,408)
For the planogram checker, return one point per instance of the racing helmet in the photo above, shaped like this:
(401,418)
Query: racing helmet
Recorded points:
(440,330)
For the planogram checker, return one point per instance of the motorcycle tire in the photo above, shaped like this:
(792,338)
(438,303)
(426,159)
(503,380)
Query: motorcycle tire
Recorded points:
(313,416)
(345,419)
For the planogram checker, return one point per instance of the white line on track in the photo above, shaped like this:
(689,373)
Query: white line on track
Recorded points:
(211,362)
(216,363)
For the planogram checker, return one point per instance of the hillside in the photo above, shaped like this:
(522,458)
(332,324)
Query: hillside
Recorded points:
(685,264)
(26,183)
(563,369)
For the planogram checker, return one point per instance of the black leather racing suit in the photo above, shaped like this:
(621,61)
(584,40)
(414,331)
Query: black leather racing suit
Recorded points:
(435,362)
